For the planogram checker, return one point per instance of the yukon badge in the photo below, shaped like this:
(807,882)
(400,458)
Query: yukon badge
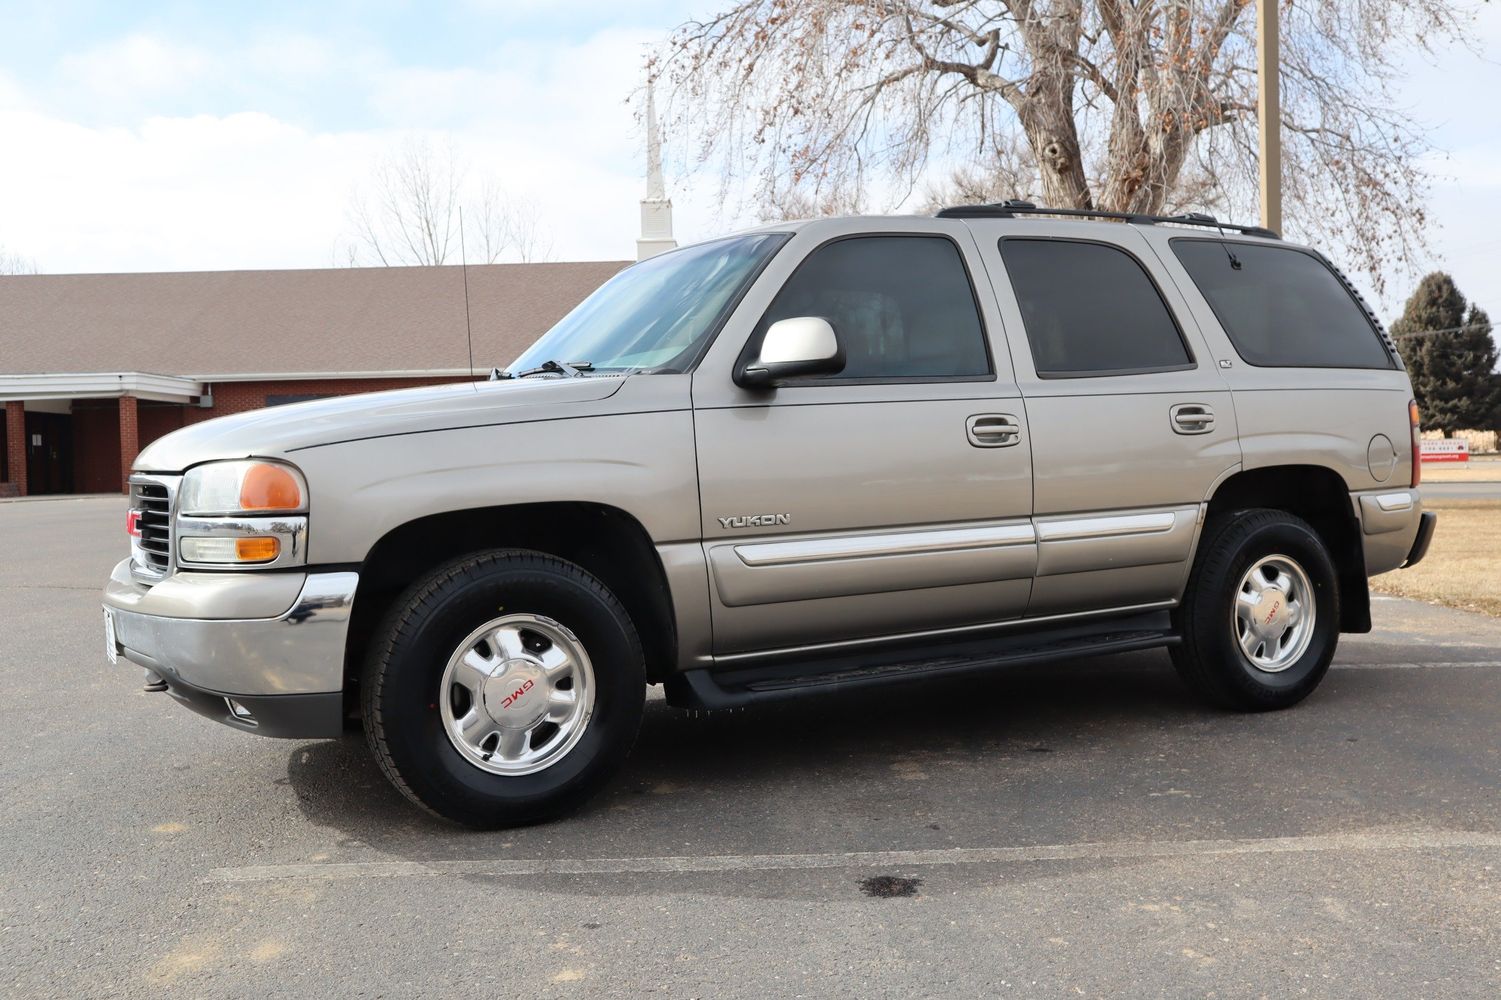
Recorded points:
(754,520)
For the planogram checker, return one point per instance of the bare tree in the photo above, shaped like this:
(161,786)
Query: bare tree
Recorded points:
(411,215)
(526,236)
(799,203)
(14,263)
(1130,105)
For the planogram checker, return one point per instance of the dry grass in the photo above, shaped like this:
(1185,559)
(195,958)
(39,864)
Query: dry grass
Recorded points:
(1463,565)
(1477,470)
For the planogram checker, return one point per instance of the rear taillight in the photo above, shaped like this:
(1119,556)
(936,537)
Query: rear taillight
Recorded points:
(1417,445)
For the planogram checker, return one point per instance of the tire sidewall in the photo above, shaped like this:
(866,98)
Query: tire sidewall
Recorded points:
(1289,537)
(412,724)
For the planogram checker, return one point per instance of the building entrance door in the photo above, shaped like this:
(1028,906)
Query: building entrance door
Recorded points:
(49,453)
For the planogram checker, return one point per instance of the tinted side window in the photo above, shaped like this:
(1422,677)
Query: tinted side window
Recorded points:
(1090,309)
(1282,307)
(902,306)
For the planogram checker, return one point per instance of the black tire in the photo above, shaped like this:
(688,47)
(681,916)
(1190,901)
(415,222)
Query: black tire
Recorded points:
(1210,659)
(403,671)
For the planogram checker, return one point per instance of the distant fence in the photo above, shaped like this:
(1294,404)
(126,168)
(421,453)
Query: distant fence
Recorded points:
(1476,441)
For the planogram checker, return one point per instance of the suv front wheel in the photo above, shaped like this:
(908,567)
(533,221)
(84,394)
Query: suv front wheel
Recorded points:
(504,688)
(1260,619)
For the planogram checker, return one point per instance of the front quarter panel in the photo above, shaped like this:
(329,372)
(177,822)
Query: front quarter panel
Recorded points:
(633,451)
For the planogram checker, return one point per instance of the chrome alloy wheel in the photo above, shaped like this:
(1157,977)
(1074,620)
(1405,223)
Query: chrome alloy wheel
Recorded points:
(517,694)
(1274,613)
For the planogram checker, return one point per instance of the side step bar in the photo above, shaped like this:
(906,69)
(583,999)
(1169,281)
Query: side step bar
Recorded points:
(721,689)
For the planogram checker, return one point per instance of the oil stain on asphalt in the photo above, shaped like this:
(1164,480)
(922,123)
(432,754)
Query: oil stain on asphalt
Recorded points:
(889,886)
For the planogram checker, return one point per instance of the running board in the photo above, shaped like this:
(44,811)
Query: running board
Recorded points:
(734,688)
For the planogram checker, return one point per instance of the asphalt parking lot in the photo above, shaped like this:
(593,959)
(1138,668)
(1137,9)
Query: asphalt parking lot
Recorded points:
(1080,830)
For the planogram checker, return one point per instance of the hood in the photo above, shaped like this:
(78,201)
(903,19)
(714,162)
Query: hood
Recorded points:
(278,430)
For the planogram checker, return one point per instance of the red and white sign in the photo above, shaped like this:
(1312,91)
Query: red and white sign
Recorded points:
(1446,450)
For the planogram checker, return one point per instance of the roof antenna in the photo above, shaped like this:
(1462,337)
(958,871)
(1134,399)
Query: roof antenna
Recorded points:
(1234,260)
(464,269)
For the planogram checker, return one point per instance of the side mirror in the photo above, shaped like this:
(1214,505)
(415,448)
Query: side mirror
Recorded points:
(804,345)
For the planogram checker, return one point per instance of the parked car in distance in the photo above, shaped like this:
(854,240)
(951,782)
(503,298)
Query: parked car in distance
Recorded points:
(809,457)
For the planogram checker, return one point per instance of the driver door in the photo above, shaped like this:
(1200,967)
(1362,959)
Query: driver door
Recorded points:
(893,497)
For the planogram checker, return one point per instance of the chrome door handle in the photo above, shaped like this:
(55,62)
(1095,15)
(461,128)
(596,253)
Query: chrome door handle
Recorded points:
(993,430)
(1192,418)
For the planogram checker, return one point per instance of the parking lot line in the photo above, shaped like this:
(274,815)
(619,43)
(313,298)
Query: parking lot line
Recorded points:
(1120,850)
(1441,665)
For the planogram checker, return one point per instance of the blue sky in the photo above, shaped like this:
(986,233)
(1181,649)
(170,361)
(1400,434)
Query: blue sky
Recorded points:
(147,136)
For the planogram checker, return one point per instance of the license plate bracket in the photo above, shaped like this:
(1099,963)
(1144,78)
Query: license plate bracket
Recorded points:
(111,644)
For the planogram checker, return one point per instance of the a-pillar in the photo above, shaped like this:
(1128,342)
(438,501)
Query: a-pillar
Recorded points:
(15,444)
(130,440)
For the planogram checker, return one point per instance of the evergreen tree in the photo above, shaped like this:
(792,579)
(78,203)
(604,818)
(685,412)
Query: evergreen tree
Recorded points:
(1452,371)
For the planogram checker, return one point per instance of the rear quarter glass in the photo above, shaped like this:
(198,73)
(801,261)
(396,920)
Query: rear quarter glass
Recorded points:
(1282,307)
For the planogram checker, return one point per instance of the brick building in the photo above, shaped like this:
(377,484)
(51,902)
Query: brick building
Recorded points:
(93,367)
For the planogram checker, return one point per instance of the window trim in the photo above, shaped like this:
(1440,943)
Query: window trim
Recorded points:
(1393,361)
(1192,363)
(752,346)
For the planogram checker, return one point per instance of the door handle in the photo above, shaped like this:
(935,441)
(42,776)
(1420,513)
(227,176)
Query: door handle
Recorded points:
(993,430)
(1192,418)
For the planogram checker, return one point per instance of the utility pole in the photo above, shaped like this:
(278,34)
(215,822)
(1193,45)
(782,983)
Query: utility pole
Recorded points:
(1269,114)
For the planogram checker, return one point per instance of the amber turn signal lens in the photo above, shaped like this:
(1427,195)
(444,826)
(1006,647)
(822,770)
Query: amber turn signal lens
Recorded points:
(269,487)
(261,549)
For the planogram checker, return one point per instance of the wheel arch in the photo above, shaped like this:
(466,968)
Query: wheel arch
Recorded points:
(1320,496)
(606,541)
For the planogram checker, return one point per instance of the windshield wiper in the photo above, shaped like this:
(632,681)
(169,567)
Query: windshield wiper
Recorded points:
(568,369)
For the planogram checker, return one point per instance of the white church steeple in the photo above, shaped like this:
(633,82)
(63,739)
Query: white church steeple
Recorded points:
(656,207)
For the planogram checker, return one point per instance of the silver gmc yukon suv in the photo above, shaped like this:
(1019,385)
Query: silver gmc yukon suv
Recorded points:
(809,457)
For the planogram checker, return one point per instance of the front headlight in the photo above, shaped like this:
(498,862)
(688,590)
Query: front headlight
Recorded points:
(242,487)
(246,514)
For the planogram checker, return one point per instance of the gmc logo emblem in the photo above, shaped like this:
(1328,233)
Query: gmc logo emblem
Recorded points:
(1272,613)
(515,695)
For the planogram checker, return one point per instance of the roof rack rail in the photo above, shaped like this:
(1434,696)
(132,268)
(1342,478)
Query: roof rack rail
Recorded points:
(1012,208)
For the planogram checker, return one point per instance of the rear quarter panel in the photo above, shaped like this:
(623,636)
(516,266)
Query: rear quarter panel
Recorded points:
(1303,416)
(1334,418)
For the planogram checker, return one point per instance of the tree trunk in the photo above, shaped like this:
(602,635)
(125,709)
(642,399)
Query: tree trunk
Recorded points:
(1046,109)
(1049,125)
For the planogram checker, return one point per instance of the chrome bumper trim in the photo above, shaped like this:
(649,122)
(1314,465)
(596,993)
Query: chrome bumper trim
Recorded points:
(1394,501)
(300,652)
(289,530)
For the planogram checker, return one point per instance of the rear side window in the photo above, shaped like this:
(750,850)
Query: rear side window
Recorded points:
(902,306)
(1282,308)
(1090,309)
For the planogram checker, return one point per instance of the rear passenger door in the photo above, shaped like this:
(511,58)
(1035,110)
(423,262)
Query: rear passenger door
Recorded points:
(1132,425)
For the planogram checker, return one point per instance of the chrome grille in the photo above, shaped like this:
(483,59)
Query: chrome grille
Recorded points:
(151,553)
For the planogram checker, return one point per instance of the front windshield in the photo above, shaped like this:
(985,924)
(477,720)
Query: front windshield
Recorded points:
(655,314)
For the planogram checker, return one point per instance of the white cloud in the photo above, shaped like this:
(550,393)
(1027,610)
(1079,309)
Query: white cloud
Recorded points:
(135,67)
(243,190)
(548,124)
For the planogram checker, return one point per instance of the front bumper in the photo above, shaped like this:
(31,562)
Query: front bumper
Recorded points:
(286,671)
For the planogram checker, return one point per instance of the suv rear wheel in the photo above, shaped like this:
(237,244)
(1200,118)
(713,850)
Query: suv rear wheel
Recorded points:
(504,688)
(1260,618)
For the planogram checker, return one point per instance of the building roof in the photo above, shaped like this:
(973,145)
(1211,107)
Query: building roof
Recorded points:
(213,324)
